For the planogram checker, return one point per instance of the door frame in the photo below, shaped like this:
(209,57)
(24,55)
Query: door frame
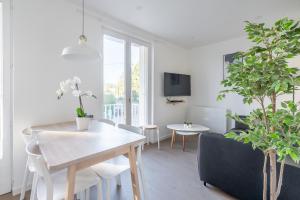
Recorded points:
(149,76)
(6,185)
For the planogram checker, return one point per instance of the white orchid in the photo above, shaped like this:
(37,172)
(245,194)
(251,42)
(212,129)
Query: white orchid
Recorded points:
(62,86)
(73,84)
(87,93)
(59,92)
(76,93)
(76,80)
(68,81)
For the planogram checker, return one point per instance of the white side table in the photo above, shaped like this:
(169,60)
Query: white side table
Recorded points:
(180,129)
(150,129)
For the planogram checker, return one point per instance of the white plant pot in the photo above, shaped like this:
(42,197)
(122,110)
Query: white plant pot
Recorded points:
(82,123)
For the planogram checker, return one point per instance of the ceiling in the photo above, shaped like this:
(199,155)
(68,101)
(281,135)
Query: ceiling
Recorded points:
(192,23)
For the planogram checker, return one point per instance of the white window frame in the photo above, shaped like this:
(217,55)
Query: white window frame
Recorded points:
(149,72)
(6,124)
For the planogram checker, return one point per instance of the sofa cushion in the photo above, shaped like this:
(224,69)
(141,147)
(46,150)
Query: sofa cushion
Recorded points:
(239,125)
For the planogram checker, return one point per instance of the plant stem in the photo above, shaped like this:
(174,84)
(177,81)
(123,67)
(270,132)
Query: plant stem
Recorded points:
(80,100)
(294,93)
(273,100)
(265,177)
(273,179)
(261,100)
(280,178)
(272,155)
(80,103)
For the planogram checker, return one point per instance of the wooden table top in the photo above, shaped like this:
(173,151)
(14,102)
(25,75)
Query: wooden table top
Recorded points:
(62,145)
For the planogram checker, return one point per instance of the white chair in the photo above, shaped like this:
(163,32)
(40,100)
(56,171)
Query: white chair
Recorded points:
(52,186)
(27,136)
(113,168)
(150,129)
(107,121)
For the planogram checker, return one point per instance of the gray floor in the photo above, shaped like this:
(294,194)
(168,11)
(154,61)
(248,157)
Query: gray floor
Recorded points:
(170,174)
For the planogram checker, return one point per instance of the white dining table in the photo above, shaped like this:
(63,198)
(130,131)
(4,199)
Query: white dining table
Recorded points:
(62,146)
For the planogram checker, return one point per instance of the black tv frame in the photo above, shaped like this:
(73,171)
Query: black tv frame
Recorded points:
(170,94)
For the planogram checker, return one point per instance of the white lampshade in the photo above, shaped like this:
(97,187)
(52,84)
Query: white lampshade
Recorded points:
(81,52)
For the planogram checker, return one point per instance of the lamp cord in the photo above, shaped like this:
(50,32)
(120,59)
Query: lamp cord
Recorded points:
(82,17)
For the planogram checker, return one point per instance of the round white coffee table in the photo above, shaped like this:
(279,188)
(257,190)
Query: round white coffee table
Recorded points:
(180,129)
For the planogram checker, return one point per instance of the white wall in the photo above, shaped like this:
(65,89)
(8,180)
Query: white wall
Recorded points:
(168,58)
(41,29)
(207,69)
(207,66)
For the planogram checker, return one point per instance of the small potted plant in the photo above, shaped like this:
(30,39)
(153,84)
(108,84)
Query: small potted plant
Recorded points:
(188,124)
(82,119)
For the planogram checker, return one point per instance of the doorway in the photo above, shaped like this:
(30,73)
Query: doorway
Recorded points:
(5,99)
(126,79)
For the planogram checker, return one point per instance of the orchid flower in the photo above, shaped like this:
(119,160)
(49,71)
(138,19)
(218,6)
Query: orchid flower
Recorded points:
(73,84)
(76,80)
(76,93)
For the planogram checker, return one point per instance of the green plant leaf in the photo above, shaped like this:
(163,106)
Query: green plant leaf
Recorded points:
(80,112)
(231,135)
(294,156)
(262,73)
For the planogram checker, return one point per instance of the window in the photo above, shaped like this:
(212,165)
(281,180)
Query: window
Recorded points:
(126,75)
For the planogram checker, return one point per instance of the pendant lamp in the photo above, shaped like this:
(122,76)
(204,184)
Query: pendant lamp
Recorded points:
(82,51)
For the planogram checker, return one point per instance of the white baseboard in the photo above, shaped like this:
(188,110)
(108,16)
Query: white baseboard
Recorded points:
(153,138)
(17,190)
(165,137)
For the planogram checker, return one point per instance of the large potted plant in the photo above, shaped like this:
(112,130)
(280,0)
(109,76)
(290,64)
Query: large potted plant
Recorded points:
(82,119)
(262,74)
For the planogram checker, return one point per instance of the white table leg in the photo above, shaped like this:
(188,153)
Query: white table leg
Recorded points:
(87,194)
(143,132)
(148,138)
(25,180)
(158,145)
(99,190)
(118,180)
(107,189)
(34,186)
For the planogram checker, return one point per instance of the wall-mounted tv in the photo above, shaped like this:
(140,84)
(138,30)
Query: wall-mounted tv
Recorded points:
(177,84)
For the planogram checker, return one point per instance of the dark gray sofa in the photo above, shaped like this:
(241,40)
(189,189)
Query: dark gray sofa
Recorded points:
(236,168)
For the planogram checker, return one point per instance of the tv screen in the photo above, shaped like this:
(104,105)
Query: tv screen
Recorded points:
(177,84)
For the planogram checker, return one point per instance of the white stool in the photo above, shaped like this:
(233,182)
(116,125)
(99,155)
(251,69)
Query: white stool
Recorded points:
(148,128)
